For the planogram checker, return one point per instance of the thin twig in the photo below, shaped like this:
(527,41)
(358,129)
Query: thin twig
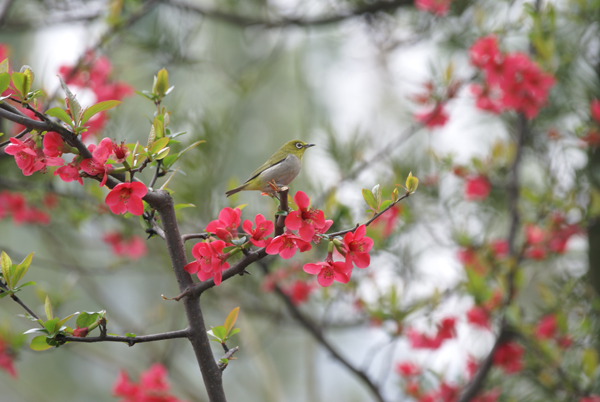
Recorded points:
(130,340)
(18,136)
(4,288)
(227,356)
(191,236)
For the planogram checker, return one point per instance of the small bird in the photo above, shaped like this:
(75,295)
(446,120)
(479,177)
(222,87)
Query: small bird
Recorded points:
(282,168)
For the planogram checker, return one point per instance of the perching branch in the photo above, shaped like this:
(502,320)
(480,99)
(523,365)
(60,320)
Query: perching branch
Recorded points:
(227,356)
(183,333)
(4,288)
(283,21)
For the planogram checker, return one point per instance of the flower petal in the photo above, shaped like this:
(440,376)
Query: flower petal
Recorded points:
(302,200)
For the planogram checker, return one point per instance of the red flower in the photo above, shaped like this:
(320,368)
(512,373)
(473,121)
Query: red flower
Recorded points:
(299,292)
(286,245)
(95,168)
(153,386)
(422,341)
(226,226)
(6,360)
(477,188)
(437,117)
(263,228)
(328,271)
(304,220)
(437,7)
(357,247)
(472,366)
(388,220)
(509,356)
(323,229)
(210,261)
(487,98)
(69,173)
(408,369)
(113,91)
(591,398)
(595,110)
(25,155)
(53,144)
(500,248)
(547,327)
(479,316)
(127,197)
(485,52)
(134,247)
(80,332)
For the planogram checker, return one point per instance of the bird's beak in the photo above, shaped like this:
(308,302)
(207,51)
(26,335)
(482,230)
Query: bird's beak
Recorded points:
(309,145)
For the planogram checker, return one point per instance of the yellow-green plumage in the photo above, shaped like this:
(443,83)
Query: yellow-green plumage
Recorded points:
(283,166)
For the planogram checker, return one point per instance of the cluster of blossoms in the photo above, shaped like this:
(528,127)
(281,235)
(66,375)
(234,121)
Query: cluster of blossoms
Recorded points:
(95,75)
(541,242)
(445,330)
(436,115)
(512,81)
(15,206)
(153,386)
(310,223)
(477,186)
(132,247)
(296,289)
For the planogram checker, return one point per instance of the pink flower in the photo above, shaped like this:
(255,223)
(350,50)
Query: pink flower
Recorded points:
(534,234)
(226,226)
(408,369)
(304,220)
(479,316)
(53,144)
(323,229)
(299,292)
(113,91)
(487,98)
(437,7)
(357,247)
(153,386)
(155,379)
(133,247)
(595,110)
(509,356)
(477,188)
(472,366)
(6,359)
(328,271)
(127,197)
(437,117)
(547,327)
(263,228)
(95,168)
(210,261)
(388,220)
(25,155)
(422,341)
(69,173)
(485,52)
(591,398)
(286,245)
(80,332)
(500,248)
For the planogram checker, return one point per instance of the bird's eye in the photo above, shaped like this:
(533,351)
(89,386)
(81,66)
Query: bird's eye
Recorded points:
(298,145)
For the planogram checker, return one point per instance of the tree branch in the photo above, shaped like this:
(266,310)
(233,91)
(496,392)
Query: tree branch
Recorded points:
(227,356)
(183,333)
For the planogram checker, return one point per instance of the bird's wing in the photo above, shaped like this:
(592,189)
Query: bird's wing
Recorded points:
(261,169)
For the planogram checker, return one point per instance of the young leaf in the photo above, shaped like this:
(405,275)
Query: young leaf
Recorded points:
(162,153)
(60,114)
(18,80)
(219,333)
(62,322)
(4,67)
(39,343)
(97,108)
(159,145)
(161,84)
(230,320)
(369,198)
(86,319)
(385,204)
(74,105)
(159,126)
(181,206)
(376,191)
(173,158)
(21,270)
(411,183)
(233,332)
(48,308)
(6,265)
(4,81)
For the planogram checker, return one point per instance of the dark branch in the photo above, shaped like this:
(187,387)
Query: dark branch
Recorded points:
(227,356)
(183,333)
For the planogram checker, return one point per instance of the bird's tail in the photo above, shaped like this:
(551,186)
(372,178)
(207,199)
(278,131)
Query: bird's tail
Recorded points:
(234,190)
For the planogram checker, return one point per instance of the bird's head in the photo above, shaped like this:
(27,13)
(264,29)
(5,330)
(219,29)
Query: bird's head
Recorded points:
(296,147)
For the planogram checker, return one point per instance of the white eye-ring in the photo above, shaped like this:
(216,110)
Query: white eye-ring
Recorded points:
(298,145)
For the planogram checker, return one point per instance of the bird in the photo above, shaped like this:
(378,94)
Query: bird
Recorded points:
(282,167)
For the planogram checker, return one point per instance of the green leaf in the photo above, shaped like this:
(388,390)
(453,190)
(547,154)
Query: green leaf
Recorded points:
(4,81)
(18,80)
(27,284)
(130,335)
(162,153)
(233,332)
(48,308)
(6,265)
(159,145)
(39,343)
(369,198)
(97,108)
(74,105)
(35,331)
(161,84)
(67,318)
(60,114)
(181,206)
(86,319)
(231,319)
(385,204)
(52,325)
(218,332)
(282,213)
(27,80)
(21,269)
(228,249)
(144,94)
(240,241)
(159,126)
(4,67)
